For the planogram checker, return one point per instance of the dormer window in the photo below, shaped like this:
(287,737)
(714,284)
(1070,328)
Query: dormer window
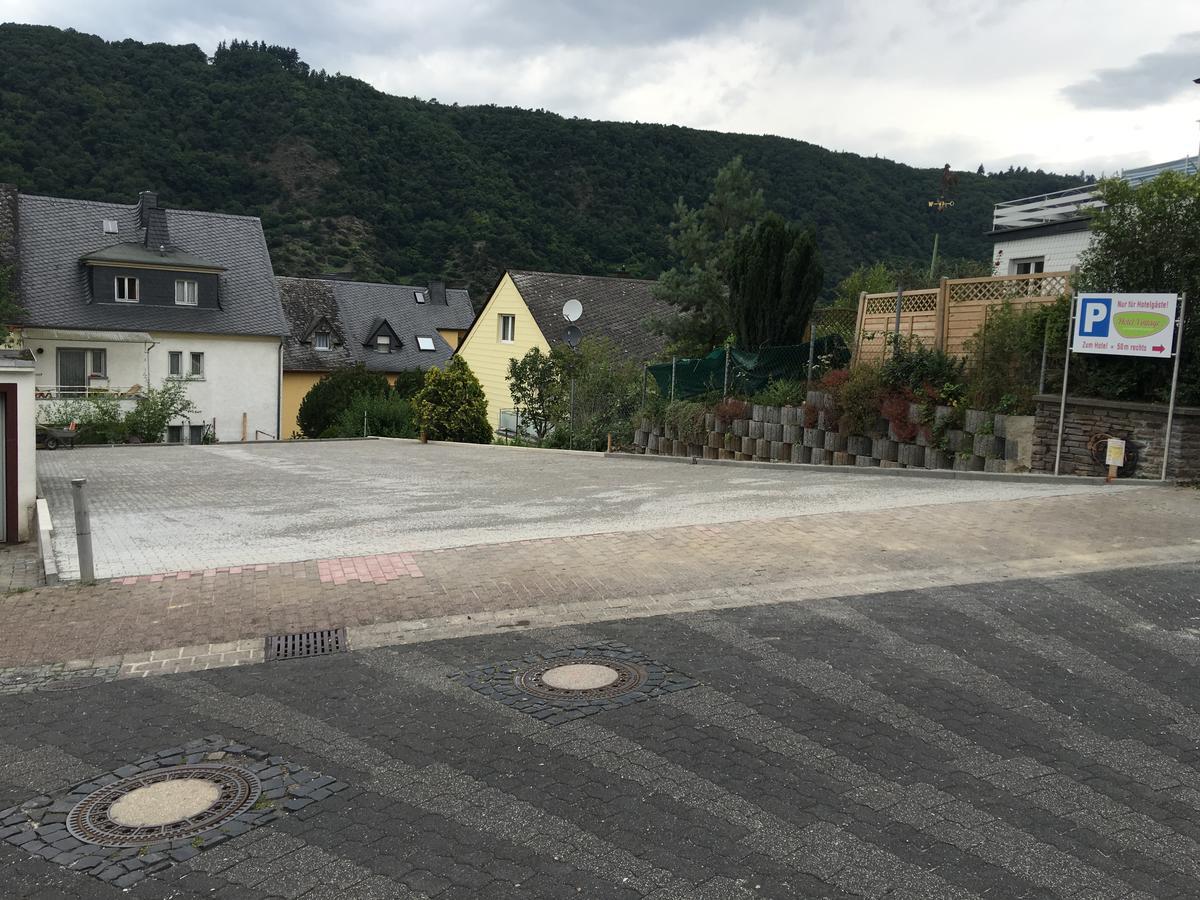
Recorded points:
(187,292)
(383,344)
(321,341)
(125,289)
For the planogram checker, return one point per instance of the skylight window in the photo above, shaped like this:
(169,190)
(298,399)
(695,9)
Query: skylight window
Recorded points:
(424,343)
(109,226)
(419,296)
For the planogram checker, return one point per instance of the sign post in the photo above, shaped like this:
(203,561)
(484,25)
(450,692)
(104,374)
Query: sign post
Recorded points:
(1112,324)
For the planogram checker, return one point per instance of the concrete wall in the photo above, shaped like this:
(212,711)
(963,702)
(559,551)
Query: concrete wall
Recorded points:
(241,375)
(1143,423)
(1061,251)
(488,357)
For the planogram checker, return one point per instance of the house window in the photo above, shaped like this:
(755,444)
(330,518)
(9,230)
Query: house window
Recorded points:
(99,364)
(125,289)
(197,368)
(186,292)
(419,296)
(1032,266)
(424,343)
(383,344)
(175,363)
(321,340)
(174,434)
(195,434)
(508,329)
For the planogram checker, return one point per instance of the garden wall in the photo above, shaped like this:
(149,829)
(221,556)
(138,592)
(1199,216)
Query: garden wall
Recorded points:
(801,434)
(1142,423)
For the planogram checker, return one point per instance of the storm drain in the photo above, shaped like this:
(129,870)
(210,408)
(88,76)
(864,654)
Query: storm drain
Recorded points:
(303,644)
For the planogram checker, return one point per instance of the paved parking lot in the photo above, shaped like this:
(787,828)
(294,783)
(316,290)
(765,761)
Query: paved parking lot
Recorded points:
(1031,739)
(166,509)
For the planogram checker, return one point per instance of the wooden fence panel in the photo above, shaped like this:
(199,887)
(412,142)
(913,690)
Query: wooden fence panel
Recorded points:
(920,317)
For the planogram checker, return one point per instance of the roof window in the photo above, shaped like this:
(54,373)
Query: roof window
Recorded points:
(109,226)
(419,296)
(424,342)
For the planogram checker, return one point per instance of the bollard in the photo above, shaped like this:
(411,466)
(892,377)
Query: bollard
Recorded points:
(83,531)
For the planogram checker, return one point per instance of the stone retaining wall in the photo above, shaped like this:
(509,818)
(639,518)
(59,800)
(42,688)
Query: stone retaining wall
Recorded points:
(1142,423)
(800,434)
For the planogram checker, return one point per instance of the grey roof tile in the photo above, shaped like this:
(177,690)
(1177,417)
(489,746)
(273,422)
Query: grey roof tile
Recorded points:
(615,308)
(358,308)
(56,233)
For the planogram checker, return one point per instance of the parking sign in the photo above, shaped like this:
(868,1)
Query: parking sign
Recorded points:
(1125,325)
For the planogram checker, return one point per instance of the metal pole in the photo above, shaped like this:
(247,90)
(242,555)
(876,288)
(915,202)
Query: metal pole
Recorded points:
(364,423)
(1045,341)
(83,531)
(812,344)
(571,439)
(725,392)
(1062,407)
(933,261)
(645,373)
(899,305)
(672,378)
(1174,384)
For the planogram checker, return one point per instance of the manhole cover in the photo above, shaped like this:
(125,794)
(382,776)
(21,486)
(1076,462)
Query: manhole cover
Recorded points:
(587,678)
(163,804)
(306,643)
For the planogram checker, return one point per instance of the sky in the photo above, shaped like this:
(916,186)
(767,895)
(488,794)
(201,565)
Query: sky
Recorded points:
(1061,85)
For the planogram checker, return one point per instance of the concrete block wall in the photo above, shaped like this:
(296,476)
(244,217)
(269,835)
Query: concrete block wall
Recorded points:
(1143,423)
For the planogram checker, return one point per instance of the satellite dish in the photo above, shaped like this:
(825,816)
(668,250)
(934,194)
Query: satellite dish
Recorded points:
(573,335)
(572,310)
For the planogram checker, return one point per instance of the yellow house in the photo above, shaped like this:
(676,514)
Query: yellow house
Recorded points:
(525,311)
(388,328)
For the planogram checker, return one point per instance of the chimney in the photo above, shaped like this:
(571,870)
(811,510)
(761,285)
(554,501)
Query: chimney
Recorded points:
(147,200)
(437,292)
(157,236)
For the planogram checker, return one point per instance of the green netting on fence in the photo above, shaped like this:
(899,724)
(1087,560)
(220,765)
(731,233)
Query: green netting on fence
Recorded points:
(749,370)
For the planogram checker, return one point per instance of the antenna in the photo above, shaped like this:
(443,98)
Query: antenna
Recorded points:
(572,310)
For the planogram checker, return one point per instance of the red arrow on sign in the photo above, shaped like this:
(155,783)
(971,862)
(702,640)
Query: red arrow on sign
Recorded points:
(1158,349)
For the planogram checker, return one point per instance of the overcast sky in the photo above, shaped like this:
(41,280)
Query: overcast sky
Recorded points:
(1063,85)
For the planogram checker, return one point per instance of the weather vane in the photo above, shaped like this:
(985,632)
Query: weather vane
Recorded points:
(941,204)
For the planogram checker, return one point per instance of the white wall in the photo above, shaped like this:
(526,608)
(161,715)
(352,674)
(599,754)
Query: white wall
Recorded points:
(241,375)
(1061,251)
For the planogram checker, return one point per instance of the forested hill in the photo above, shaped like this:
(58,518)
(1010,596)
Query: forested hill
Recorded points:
(347,178)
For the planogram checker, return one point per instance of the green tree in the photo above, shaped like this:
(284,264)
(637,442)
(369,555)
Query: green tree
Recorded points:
(452,406)
(154,409)
(703,240)
(1144,239)
(877,278)
(334,393)
(536,384)
(371,414)
(774,283)
(608,390)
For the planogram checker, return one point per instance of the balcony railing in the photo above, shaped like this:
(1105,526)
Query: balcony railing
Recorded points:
(79,392)
(1044,208)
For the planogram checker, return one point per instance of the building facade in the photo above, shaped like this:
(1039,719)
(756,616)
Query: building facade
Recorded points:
(119,298)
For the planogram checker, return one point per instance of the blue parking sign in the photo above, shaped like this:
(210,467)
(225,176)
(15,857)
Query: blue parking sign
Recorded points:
(1095,314)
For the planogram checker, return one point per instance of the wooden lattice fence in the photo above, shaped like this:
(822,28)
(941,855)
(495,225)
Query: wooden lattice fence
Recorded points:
(948,316)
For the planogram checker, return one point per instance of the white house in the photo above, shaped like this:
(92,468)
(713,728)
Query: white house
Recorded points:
(1049,232)
(120,298)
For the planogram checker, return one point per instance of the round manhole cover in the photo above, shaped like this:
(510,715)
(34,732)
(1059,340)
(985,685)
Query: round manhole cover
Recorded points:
(163,804)
(589,678)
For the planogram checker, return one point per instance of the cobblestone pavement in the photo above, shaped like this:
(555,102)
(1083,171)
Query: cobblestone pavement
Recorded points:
(1032,738)
(20,567)
(165,509)
(196,619)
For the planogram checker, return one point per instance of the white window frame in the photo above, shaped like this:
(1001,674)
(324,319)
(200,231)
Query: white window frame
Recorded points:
(175,356)
(322,340)
(121,285)
(196,371)
(190,292)
(383,343)
(1031,262)
(425,342)
(508,326)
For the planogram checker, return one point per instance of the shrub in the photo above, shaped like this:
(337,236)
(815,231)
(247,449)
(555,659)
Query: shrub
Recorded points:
(894,408)
(99,418)
(408,382)
(387,416)
(608,391)
(1006,356)
(154,408)
(912,366)
(858,400)
(536,385)
(783,392)
(451,406)
(332,395)
(686,418)
(729,409)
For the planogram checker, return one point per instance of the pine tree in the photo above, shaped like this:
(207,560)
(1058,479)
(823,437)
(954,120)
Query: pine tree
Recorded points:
(774,283)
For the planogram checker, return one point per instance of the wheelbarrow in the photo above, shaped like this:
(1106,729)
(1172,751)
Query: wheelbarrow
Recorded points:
(52,438)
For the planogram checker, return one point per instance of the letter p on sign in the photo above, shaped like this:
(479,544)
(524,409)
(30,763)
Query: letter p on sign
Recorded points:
(1094,317)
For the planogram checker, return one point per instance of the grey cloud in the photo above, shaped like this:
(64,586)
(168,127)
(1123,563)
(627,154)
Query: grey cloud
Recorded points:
(1151,79)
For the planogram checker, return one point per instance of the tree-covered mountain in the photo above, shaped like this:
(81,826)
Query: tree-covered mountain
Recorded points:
(347,178)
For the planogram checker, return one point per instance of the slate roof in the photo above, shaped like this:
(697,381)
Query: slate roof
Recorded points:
(54,234)
(615,308)
(358,308)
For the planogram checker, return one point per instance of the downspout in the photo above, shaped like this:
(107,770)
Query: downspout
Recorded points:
(279,396)
(149,347)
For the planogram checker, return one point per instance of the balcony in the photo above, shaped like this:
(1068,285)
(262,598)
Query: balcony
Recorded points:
(1060,206)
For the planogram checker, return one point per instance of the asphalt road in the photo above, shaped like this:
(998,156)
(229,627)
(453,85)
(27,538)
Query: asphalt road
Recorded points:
(1034,738)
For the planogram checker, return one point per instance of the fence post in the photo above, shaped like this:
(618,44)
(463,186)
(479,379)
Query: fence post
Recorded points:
(942,313)
(83,531)
(1045,341)
(858,325)
(899,307)
(645,373)
(725,392)
(812,344)
(672,379)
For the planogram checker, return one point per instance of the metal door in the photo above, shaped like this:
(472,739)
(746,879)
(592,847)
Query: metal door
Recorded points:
(72,371)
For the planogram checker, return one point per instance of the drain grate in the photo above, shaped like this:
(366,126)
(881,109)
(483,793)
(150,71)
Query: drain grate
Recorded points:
(306,643)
